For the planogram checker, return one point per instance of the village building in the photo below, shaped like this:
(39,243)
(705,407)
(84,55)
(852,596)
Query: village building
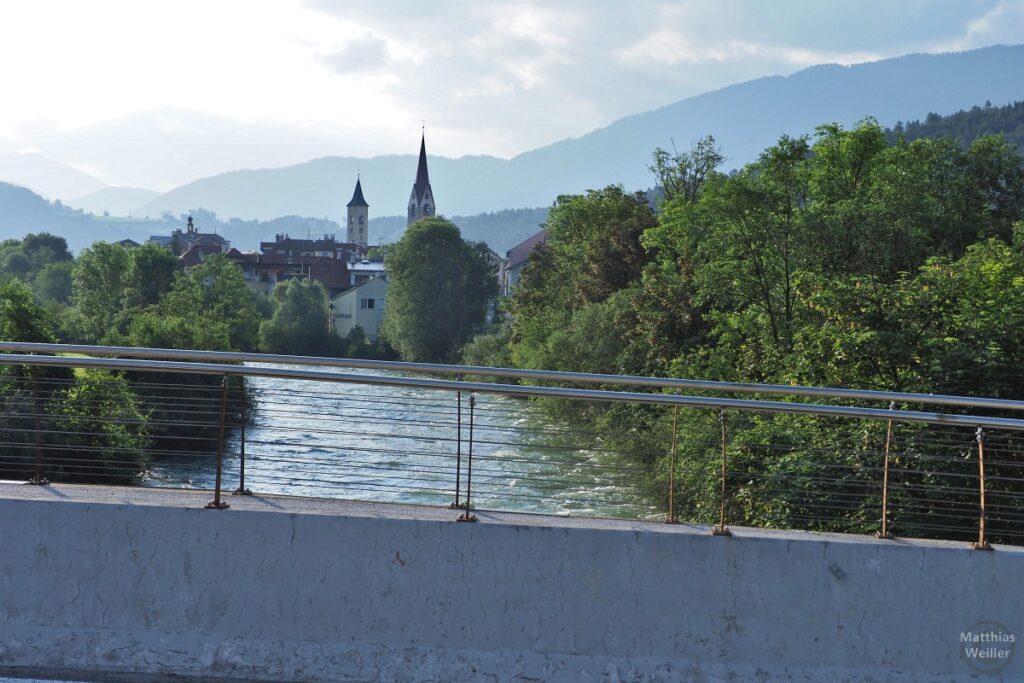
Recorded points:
(182,241)
(285,247)
(361,271)
(517,258)
(356,285)
(362,305)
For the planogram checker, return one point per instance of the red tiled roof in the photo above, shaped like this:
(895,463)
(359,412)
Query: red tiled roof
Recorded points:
(521,252)
(192,257)
(330,272)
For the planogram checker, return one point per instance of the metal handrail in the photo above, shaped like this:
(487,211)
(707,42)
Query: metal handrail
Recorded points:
(514,373)
(147,365)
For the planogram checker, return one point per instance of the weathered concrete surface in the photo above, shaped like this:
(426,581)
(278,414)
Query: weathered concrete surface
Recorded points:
(130,580)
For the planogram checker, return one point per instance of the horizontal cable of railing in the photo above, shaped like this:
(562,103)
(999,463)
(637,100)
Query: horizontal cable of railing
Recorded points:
(146,365)
(520,374)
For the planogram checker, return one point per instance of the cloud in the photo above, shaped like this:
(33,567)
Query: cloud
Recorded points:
(522,73)
(669,48)
(1004,23)
(163,148)
(359,55)
(274,83)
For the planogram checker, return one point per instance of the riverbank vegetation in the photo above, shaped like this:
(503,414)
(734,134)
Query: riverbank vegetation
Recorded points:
(845,259)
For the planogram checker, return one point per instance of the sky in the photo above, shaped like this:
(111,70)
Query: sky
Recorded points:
(157,93)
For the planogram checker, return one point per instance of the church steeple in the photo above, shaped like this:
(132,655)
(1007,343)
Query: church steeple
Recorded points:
(421,201)
(357,196)
(358,217)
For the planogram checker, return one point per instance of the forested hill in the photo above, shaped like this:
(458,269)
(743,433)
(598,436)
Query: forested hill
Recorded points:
(502,230)
(967,125)
(22,211)
(744,119)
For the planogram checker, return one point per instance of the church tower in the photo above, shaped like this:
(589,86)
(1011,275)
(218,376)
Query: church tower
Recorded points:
(421,201)
(358,218)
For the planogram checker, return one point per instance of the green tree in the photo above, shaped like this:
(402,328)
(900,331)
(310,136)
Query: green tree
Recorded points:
(102,431)
(17,263)
(490,349)
(100,280)
(681,175)
(21,320)
(151,274)
(155,329)
(207,308)
(54,282)
(438,290)
(299,322)
(50,248)
(593,250)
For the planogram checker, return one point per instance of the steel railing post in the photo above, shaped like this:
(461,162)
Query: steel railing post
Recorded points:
(671,519)
(884,533)
(981,543)
(217,503)
(37,409)
(458,444)
(468,516)
(720,529)
(241,490)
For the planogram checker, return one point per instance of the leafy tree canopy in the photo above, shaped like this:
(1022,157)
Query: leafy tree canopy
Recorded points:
(439,286)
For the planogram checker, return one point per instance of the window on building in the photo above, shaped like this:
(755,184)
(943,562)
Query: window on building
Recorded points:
(360,220)
(426,209)
(368,304)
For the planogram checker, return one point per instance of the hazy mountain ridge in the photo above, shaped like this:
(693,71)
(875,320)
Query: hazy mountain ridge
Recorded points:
(118,201)
(45,176)
(502,230)
(23,211)
(745,118)
(322,187)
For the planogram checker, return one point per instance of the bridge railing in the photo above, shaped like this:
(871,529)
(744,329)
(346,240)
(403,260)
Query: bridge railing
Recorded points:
(358,429)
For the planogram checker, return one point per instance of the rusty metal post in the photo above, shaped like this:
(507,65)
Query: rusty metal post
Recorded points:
(468,516)
(37,409)
(981,543)
(720,529)
(217,503)
(241,490)
(458,445)
(884,533)
(671,519)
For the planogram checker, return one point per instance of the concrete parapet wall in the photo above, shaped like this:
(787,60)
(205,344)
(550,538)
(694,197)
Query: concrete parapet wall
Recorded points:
(104,579)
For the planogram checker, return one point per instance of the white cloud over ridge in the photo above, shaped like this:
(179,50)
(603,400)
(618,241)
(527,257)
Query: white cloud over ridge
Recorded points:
(160,92)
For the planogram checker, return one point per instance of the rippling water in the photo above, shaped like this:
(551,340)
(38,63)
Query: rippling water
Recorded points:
(388,444)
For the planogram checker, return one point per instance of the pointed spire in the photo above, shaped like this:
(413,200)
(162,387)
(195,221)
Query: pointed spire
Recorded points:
(422,176)
(357,196)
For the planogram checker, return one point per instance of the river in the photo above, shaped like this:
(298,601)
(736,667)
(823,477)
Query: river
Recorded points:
(362,442)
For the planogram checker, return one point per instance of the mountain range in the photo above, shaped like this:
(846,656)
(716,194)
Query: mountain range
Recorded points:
(744,119)
(45,176)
